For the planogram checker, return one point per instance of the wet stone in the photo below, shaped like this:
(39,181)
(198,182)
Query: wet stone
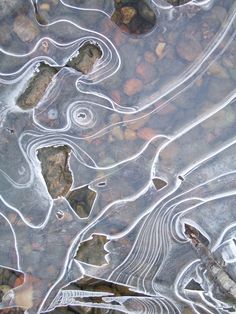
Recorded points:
(36,87)
(127,14)
(88,54)
(55,169)
(135,17)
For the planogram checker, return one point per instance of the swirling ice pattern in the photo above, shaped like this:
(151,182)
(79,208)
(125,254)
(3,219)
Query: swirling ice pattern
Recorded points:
(176,124)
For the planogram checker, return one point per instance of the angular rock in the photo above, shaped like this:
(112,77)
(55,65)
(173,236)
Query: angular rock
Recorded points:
(84,61)
(36,88)
(55,169)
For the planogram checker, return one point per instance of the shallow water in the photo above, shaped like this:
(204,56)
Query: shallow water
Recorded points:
(117,156)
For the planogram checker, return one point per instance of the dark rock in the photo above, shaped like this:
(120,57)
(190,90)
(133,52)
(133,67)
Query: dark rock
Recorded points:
(146,12)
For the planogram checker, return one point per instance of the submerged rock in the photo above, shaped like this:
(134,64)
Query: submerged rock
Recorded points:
(132,87)
(25,29)
(146,12)
(188,48)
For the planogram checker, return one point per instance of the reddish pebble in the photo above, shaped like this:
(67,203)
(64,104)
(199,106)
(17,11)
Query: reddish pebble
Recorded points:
(146,71)
(132,87)
(146,134)
(115,94)
(19,281)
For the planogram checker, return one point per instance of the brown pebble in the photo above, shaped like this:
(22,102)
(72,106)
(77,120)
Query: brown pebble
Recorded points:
(132,87)
(127,14)
(146,71)
(188,48)
(25,29)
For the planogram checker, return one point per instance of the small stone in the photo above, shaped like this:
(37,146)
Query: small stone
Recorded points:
(150,57)
(146,71)
(127,14)
(130,135)
(25,29)
(117,133)
(188,48)
(19,281)
(160,50)
(132,87)
(146,134)
(44,7)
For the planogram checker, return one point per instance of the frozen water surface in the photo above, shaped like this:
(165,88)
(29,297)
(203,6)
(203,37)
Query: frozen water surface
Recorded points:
(118,156)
